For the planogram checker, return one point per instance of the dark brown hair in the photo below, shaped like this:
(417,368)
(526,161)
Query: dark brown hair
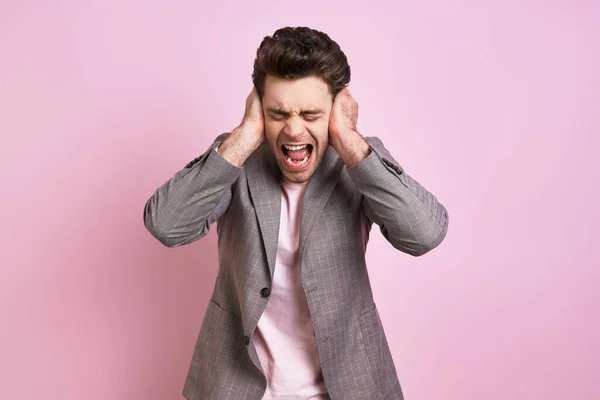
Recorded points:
(293,53)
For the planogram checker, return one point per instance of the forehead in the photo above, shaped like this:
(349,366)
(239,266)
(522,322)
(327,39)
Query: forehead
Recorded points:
(297,94)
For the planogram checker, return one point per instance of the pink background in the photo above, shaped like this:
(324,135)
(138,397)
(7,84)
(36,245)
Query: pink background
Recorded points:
(494,107)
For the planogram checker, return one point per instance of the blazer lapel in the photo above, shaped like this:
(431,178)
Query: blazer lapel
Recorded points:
(265,189)
(317,193)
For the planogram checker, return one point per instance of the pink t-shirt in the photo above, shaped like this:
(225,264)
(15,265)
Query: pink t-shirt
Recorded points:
(284,338)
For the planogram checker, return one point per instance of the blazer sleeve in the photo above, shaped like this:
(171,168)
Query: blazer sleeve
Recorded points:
(183,208)
(410,217)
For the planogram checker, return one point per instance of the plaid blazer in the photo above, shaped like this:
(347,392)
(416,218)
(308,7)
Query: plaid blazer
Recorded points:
(339,207)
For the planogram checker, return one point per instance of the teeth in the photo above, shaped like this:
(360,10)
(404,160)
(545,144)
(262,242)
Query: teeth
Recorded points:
(301,162)
(294,147)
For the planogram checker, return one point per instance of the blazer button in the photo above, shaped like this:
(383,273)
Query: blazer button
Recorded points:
(246,340)
(265,292)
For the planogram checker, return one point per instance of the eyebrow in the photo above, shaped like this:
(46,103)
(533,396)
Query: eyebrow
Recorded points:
(303,112)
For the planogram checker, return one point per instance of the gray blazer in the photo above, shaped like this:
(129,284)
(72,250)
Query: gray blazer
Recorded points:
(339,207)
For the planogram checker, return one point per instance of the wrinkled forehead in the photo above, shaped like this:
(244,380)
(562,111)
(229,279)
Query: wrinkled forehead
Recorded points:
(298,95)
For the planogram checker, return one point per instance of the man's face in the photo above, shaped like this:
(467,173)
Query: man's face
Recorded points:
(297,124)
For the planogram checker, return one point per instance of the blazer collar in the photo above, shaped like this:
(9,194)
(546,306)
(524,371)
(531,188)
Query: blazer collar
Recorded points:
(264,182)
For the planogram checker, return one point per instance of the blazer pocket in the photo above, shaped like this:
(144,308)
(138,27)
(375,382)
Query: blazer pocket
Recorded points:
(216,338)
(379,357)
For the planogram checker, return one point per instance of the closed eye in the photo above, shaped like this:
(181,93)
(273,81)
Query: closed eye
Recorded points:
(308,118)
(311,119)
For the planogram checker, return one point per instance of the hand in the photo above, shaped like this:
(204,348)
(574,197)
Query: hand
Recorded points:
(253,122)
(343,117)
(248,135)
(343,135)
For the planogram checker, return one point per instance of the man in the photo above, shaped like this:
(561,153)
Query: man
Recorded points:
(295,189)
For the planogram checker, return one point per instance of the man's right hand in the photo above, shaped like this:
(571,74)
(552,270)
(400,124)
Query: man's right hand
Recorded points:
(247,136)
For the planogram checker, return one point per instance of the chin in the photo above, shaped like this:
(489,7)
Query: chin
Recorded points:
(297,178)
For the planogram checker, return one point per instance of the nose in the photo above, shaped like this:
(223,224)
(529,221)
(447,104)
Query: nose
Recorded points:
(294,127)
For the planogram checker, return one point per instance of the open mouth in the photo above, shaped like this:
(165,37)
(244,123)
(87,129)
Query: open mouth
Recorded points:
(297,156)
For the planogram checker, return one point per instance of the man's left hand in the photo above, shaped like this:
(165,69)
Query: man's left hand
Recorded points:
(343,136)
